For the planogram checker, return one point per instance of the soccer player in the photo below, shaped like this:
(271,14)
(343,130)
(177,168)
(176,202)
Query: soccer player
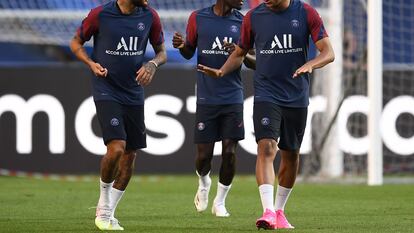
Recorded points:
(219,114)
(280,31)
(121,30)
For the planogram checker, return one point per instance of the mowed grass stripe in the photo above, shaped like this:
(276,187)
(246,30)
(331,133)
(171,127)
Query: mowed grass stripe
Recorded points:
(165,204)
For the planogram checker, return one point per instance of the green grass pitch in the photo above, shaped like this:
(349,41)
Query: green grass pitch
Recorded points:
(165,204)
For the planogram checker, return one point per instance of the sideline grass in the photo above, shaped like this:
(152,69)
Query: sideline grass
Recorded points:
(164,204)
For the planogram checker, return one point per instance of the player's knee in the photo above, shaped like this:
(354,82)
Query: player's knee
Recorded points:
(229,156)
(204,158)
(204,154)
(115,148)
(267,148)
(115,151)
(230,152)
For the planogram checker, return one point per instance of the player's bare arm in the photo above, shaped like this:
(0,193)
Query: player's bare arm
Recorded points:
(76,45)
(326,55)
(229,47)
(179,43)
(233,62)
(250,59)
(147,71)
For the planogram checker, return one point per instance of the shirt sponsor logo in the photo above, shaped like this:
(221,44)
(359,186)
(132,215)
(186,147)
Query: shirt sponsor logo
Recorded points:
(281,45)
(217,47)
(287,42)
(127,47)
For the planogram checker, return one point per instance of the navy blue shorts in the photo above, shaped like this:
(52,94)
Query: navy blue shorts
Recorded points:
(122,122)
(283,124)
(217,122)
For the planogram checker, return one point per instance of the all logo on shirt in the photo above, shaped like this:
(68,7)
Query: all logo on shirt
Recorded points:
(287,42)
(217,47)
(132,46)
(281,44)
(217,43)
(126,47)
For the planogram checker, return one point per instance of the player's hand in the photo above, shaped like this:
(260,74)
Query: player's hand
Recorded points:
(98,70)
(178,40)
(146,73)
(215,73)
(229,47)
(307,68)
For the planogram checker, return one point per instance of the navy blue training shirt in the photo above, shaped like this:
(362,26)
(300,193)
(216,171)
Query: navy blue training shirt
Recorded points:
(281,40)
(206,31)
(119,45)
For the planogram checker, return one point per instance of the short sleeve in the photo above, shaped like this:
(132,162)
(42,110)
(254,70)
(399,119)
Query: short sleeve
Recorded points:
(247,38)
(90,25)
(315,24)
(191,37)
(156,33)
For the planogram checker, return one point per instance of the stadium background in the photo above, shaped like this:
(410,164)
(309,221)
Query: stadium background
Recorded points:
(47,122)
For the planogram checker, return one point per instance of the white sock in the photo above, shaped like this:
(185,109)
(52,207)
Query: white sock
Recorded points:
(282,195)
(266,195)
(204,181)
(116,196)
(222,191)
(105,194)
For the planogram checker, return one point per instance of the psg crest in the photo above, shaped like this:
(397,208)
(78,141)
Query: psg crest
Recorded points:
(200,126)
(114,122)
(295,23)
(141,26)
(265,121)
(234,28)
